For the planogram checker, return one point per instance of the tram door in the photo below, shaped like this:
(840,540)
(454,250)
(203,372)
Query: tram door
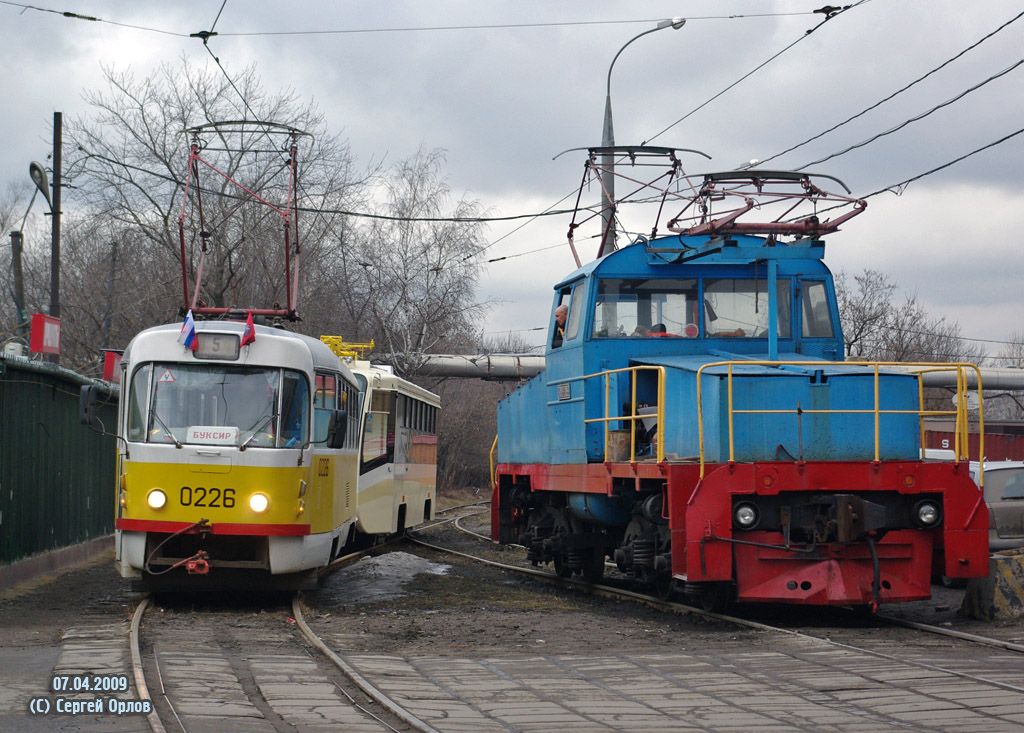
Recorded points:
(379,484)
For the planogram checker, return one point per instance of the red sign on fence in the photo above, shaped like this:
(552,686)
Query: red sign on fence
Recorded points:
(112,365)
(45,337)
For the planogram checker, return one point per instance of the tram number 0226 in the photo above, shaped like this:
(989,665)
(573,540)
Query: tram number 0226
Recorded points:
(200,496)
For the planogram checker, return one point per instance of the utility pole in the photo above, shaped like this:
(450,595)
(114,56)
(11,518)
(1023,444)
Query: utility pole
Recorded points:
(55,209)
(19,283)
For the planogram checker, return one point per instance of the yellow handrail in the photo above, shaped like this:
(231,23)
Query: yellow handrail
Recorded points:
(633,416)
(961,430)
(494,468)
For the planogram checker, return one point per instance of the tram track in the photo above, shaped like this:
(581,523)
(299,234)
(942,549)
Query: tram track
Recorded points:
(610,591)
(164,702)
(166,715)
(363,670)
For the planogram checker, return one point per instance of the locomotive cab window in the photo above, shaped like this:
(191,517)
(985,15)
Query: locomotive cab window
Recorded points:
(571,299)
(645,308)
(739,308)
(817,322)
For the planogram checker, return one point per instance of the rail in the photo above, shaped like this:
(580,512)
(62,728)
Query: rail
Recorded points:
(961,430)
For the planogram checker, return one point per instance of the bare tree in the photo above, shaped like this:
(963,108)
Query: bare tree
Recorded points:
(864,306)
(1007,405)
(411,274)
(133,168)
(468,422)
(878,326)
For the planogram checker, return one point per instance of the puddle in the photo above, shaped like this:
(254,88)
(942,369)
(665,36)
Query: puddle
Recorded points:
(375,579)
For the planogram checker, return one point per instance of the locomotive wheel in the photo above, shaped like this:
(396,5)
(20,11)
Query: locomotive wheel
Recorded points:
(952,582)
(716,597)
(593,569)
(665,587)
(562,569)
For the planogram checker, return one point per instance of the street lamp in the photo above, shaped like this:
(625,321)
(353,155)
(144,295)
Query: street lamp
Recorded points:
(608,140)
(38,175)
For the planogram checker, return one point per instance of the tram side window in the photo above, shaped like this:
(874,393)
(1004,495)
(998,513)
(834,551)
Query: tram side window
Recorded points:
(324,404)
(294,406)
(379,430)
(418,443)
(137,402)
(817,323)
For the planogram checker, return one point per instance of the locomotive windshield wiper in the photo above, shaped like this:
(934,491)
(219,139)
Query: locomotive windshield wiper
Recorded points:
(259,426)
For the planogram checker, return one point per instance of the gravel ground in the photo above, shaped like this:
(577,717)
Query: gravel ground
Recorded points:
(417,600)
(38,612)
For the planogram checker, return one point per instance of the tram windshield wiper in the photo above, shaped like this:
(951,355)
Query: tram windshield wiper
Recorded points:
(259,425)
(167,430)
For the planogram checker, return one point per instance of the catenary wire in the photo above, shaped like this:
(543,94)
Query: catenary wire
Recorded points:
(753,71)
(410,29)
(79,16)
(916,118)
(879,103)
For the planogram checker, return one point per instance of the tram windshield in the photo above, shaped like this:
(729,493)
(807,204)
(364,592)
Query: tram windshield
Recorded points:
(264,408)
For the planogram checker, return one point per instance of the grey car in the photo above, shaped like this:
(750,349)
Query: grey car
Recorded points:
(1004,494)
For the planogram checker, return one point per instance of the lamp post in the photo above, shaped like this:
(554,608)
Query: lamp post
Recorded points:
(608,140)
(38,175)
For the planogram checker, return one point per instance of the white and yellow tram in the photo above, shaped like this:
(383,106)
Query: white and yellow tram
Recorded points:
(253,465)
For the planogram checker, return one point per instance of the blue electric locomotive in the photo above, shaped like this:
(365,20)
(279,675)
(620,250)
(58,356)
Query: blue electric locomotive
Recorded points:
(697,423)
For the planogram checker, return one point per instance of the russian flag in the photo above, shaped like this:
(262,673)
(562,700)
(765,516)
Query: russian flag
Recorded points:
(249,334)
(188,333)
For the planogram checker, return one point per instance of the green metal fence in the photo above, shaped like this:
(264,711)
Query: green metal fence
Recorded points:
(57,476)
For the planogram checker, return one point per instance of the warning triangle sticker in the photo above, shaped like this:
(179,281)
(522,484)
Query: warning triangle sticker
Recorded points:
(166,376)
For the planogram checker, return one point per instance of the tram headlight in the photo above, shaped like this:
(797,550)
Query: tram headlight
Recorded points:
(926,513)
(745,515)
(156,499)
(259,503)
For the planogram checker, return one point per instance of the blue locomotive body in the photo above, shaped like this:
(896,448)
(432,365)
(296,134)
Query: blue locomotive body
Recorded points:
(606,330)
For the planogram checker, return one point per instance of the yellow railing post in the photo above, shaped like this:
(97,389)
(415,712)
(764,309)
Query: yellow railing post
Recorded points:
(732,446)
(877,417)
(494,467)
(661,414)
(607,398)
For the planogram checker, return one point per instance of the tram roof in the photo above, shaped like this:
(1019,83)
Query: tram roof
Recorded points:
(153,341)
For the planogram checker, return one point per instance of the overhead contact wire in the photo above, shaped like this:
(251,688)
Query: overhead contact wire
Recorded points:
(754,70)
(916,118)
(879,103)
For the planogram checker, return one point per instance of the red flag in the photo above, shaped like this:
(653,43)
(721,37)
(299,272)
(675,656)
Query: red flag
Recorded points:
(249,335)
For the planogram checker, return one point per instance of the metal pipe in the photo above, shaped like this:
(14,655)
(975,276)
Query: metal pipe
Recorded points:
(992,377)
(483,366)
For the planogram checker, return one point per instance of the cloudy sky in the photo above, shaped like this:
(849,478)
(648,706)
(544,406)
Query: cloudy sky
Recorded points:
(505,86)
